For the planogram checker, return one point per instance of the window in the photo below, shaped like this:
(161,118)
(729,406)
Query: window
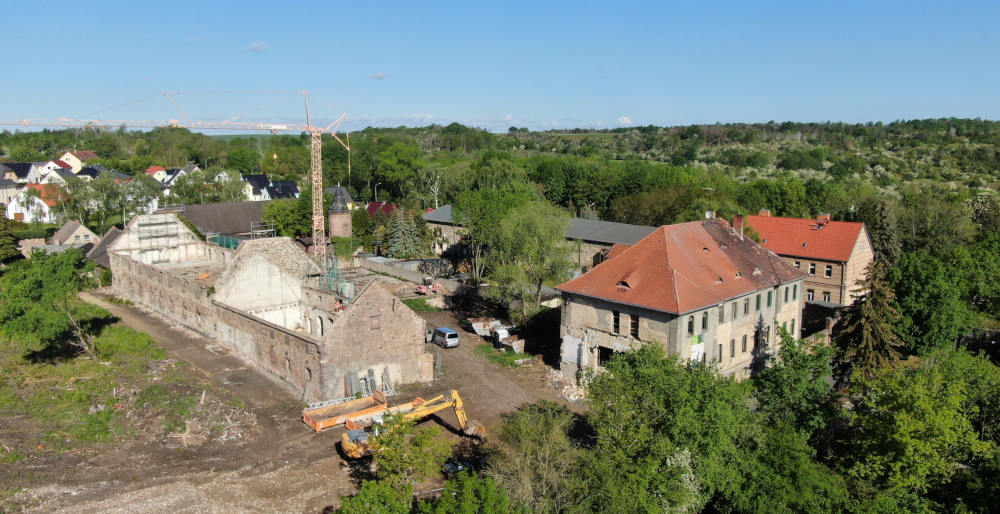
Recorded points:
(758,302)
(704,321)
(826,296)
(734,310)
(812,269)
(376,322)
(786,294)
(810,295)
(86,237)
(793,328)
(732,348)
(722,313)
(690,325)
(795,292)
(744,343)
(797,264)
(769,298)
(76,237)
(720,352)
(746,306)
(616,322)
(604,354)
(828,272)
(634,325)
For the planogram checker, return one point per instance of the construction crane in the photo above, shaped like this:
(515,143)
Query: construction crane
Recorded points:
(315,147)
(356,444)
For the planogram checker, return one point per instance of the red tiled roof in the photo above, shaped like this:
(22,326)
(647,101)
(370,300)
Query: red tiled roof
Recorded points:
(617,250)
(153,169)
(796,237)
(49,193)
(85,155)
(387,208)
(61,164)
(684,267)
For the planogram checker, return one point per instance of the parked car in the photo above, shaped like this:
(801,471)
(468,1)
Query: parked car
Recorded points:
(443,337)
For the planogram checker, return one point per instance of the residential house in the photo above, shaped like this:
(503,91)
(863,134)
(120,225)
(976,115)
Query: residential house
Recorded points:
(157,172)
(700,289)
(99,253)
(387,208)
(229,219)
(8,190)
(256,187)
(282,189)
(72,232)
(93,172)
(17,171)
(31,207)
(77,158)
(590,239)
(834,254)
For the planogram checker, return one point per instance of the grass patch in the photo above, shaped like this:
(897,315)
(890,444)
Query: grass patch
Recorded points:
(420,305)
(501,357)
(119,301)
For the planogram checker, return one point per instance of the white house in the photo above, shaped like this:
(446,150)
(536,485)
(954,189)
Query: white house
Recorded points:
(77,158)
(31,207)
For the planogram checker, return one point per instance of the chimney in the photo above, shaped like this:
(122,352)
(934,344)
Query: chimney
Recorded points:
(822,219)
(764,212)
(738,225)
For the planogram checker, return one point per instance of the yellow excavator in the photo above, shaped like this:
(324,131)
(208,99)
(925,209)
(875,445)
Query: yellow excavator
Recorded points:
(356,443)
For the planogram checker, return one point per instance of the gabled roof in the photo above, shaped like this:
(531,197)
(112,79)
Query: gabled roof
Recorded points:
(807,238)
(257,181)
(49,193)
(282,189)
(440,215)
(190,168)
(21,169)
(62,164)
(99,253)
(62,235)
(85,155)
(153,169)
(224,218)
(607,232)
(5,183)
(682,268)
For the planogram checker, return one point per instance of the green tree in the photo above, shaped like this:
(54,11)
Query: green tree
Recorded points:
(480,213)
(378,497)
(243,159)
(911,436)
(403,239)
(931,295)
(8,244)
(530,248)
(468,493)
(408,454)
(866,340)
(287,217)
(534,459)
(794,390)
(361,223)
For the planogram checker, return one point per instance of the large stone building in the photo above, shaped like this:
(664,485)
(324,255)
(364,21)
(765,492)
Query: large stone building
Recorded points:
(834,254)
(700,289)
(273,307)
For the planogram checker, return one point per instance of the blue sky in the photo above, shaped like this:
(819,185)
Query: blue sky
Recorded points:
(533,64)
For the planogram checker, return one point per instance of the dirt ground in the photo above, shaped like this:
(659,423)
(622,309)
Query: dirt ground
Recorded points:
(285,468)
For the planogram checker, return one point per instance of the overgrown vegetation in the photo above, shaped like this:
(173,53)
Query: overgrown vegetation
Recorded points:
(420,305)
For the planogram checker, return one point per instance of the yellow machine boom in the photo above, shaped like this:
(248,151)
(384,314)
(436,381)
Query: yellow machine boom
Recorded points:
(355,441)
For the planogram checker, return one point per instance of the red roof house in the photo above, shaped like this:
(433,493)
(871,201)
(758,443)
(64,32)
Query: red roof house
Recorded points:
(835,254)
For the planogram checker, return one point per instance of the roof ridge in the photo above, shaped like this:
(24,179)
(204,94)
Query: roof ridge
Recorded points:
(670,270)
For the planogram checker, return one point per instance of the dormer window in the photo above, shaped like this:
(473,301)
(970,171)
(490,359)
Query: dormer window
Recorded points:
(756,271)
(739,275)
(623,286)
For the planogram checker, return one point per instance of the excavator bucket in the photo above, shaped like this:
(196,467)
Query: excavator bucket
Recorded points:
(475,429)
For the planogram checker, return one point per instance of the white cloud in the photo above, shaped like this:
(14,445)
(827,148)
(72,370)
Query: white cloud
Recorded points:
(508,117)
(259,46)
(624,120)
(378,76)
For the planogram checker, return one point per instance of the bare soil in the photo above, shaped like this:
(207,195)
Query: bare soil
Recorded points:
(282,466)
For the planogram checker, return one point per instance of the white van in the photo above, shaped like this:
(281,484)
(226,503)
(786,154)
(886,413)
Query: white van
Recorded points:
(443,337)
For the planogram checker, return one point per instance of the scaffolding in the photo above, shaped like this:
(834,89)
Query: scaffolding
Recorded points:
(334,281)
(262,229)
(222,240)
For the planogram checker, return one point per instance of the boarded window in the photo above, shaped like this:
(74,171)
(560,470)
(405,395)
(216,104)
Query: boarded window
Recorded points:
(616,322)
(704,321)
(634,326)
(690,324)
(744,343)
(376,322)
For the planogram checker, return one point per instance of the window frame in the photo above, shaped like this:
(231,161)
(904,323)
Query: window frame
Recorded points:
(634,325)
(812,269)
(616,322)
(828,271)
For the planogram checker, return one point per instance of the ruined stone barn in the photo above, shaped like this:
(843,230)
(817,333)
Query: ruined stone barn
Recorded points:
(273,307)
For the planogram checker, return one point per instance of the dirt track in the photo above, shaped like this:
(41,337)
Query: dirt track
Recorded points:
(286,468)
